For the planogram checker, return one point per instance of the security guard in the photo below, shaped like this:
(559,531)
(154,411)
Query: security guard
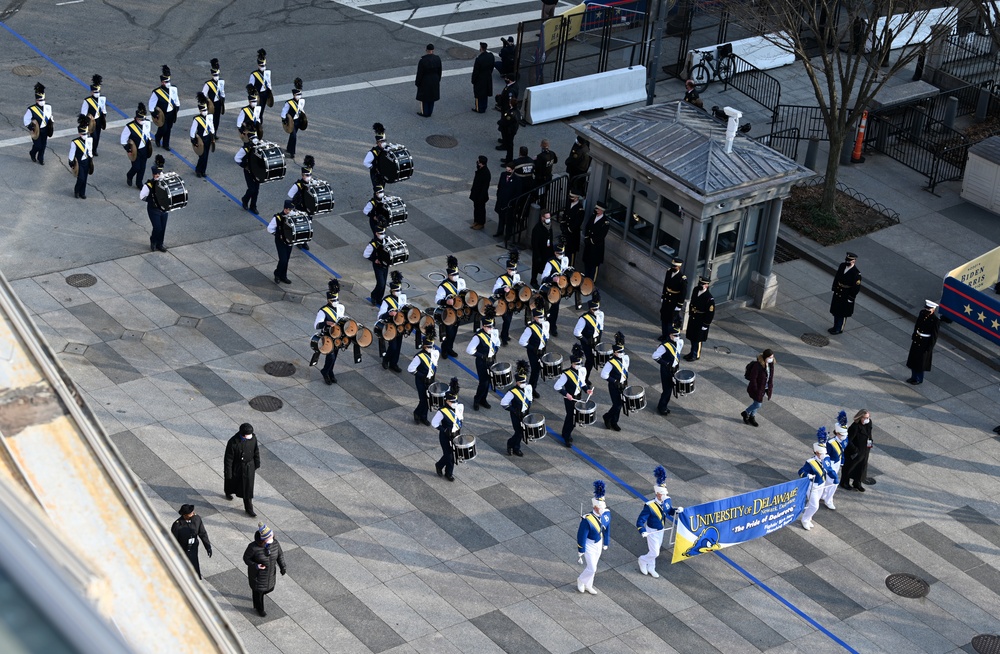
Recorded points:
(373,158)
(572,383)
(300,189)
(203,127)
(593,537)
(594,236)
(452,285)
(81,153)
(135,135)
(701,311)
(391,304)
(501,286)
(484,346)
(652,522)
(95,108)
(675,290)
(517,401)
(260,79)
(553,267)
(283,249)
(376,210)
(327,317)
(376,253)
(294,111)
(188,528)
(249,198)
(590,329)
(165,99)
(846,286)
(157,216)
(544,163)
(534,339)
(249,120)
(215,90)
(423,367)
(41,115)
(615,372)
(448,422)
(668,356)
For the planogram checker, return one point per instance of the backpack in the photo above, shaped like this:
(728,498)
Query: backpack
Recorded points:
(747,371)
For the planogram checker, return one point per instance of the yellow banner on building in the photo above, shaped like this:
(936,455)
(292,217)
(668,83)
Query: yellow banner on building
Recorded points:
(552,33)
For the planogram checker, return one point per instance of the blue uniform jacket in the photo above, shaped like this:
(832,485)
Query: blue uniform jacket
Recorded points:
(653,514)
(835,449)
(819,470)
(593,529)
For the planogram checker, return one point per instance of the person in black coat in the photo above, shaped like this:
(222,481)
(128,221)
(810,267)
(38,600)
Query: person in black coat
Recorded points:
(541,246)
(261,557)
(846,286)
(859,447)
(593,242)
(482,79)
(571,226)
(508,188)
(675,288)
(578,163)
(240,466)
(505,66)
(480,193)
(187,529)
(760,375)
(428,81)
(925,333)
(507,97)
(508,126)
(701,311)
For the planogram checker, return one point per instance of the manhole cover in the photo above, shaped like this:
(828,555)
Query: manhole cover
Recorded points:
(907,585)
(458,52)
(279,368)
(471,268)
(406,285)
(435,277)
(723,349)
(784,254)
(816,340)
(442,141)
(81,280)
(26,71)
(986,644)
(266,403)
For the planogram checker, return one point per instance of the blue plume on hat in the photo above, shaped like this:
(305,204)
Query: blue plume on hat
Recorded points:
(821,436)
(660,474)
(599,490)
(842,418)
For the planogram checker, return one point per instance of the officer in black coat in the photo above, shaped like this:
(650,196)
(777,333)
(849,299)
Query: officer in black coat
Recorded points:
(578,163)
(593,242)
(428,81)
(846,286)
(675,290)
(545,161)
(541,246)
(925,333)
(571,226)
(701,311)
(240,466)
(508,188)
(508,126)
(482,79)
(480,193)
(505,66)
(187,529)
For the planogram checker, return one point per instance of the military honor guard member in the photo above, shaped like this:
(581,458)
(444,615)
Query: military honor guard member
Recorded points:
(652,522)
(157,216)
(135,138)
(553,267)
(615,372)
(327,317)
(390,305)
(452,285)
(835,449)
(502,285)
(541,246)
(701,311)
(284,250)
(448,422)
(816,469)
(534,339)
(428,81)
(373,158)
(294,114)
(249,199)
(589,329)
(517,401)
(507,125)
(95,108)
(250,119)
(300,189)
(675,290)
(376,209)
(593,242)
(203,132)
(423,367)
(571,225)
(668,355)
(38,121)
(263,557)
(376,253)
(482,78)
(81,157)
(922,341)
(260,79)
(187,529)
(592,538)
(484,346)
(165,100)
(240,466)
(215,90)
(846,286)
(571,385)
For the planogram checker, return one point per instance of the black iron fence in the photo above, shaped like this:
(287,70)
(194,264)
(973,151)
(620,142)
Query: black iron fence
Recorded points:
(786,141)
(919,142)
(552,196)
(754,83)
(807,120)
(970,57)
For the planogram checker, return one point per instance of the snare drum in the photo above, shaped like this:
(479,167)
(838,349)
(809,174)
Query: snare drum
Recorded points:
(169,192)
(464,448)
(533,426)
(267,162)
(436,393)
(551,365)
(296,228)
(348,326)
(385,330)
(603,353)
(587,286)
(585,412)
(318,197)
(633,399)
(397,250)
(684,382)
(501,375)
(395,163)
(395,210)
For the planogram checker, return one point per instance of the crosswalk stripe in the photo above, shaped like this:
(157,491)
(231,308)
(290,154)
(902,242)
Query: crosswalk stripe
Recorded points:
(452,8)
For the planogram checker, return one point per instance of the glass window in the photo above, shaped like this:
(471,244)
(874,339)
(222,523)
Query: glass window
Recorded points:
(725,240)
(755,217)
(642,222)
(668,242)
(617,200)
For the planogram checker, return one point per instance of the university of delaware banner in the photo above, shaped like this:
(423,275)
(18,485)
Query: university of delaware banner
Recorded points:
(714,525)
(968,296)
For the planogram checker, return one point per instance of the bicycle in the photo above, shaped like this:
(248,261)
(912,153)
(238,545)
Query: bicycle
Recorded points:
(705,72)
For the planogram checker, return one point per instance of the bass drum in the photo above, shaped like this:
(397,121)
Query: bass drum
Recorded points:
(267,162)
(296,228)
(318,197)
(395,163)
(169,192)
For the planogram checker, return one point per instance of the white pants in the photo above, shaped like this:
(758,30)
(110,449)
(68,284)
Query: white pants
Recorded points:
(831,487)
(812,501)
(655,541)
(591,554)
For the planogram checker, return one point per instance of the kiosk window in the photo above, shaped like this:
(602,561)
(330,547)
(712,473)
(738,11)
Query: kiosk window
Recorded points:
(725,241)
(642,223)
(668,243)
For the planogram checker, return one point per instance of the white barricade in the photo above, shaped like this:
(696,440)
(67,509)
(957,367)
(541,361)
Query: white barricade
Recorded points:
(763,52)
(555,100)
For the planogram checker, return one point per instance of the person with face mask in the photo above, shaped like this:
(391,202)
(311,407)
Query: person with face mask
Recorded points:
(186,530)
(503,284)
(248,121)
(594,235)
(376,209)
(293,114)
(835,448)
(284,250)
(541,246)
(376,253)
(615,372)
(163,105)
(452,285)
(391,304)
(325,319)
(423,367)
(653,520)
(374,156)
(572,385)
(701,311)
(846,286)
(484,346)
(554,267)
(448,422)
(135,138)
(202,135)
(592,538)
(240,465)
(95,108)
(668,356)
(262,557)
(157,216)
(518,401)
(534,339)
(38,121)
(818,471)
(215,90)
(297,193)
(249,198)
(760,375)
(260,79)
(859,447)
(590,329)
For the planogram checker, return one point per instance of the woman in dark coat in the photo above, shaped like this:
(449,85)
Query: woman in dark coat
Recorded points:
(428,81)
(925,333)
(760,375)
(262,557)
(240,466)
(859,446)
(593,242)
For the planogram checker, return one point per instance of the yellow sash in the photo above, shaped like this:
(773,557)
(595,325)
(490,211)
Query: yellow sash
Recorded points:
(819,469)
(556,266)
(164,95)
(260,79)
(213,87)
(573,378)
(535,327)
(449,414)
(592,320)
(597,523)
(449,288)
(328,310)
(81,148)
(249,113)
(93,105)
(294,106)
(621,371)
(426,359)
(138,132)
(656,507)
(38,112)
(520,396)
(204,124)
(392,302)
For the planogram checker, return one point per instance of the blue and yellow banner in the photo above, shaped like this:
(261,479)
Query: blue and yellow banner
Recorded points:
(969,299)
(738,519)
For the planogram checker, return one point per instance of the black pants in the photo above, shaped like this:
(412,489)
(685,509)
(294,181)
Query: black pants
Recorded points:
(138,168)
(483,372)
(589,362)
(667,379)
(392,351)
(378,292)
(479,212)
(82,172)
(514,442)
(284,254)
(554,315)
(590,270)
(330,362)
(508,142)
(376,176)
(253,189)
(420,381)
(217,114)
(856,469)
(838,323)
(162,136)
(201,168)
(668,318)
(447,460)
(38,146)
(293,139)
(258,600)
(615,412)
(192,555)
(448,342)
(505,325)
(96,136)
(158,219)
(570,421)
(482,103)
(535,364)
(427,108)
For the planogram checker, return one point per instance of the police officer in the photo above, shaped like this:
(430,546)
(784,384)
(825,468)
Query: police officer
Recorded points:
(157,216)
(249,120)
(589,329)
(534,339)
(652,522)
(816,470)
(448,422)
(249,198)
(452,285)
(327,317)
(553,267)
(544,163)
(376,209)
(203,127)
(95,108)
(507,125)
(135,136)
(615,372)
(283,249)
(507,97)
(376,253)
(572,383)
(294,111)
(423,367)
(164,99)
(373,158)
(846,286)
(260,79)
(187,529)
(391,304)
(484,345)
(668,356)
(675,290)
(701,311)
(41,115)
(81,155)
(592,538)
(501,286)
(517,401)
(215,90)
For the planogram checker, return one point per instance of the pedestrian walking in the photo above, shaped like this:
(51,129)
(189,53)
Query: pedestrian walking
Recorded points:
(263,557)
(548,9)
(760,374)
(652,522)
(240,466)
(448,422)
(925,333)
(846,286)
(816,469)
(480,193)
(859,447)
(592,538)
(482,79)
(428,81)
(187,529)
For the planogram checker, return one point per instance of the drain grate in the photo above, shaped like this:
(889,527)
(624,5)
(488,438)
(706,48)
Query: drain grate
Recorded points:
(457,52)
(81,280)
(442,141)
(436,277)
(816,340)
(26,71)
(907,585)
(986,644)
(279,368)
(783,253)
(266,403)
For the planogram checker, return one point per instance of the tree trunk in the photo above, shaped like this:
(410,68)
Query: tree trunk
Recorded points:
(827,204)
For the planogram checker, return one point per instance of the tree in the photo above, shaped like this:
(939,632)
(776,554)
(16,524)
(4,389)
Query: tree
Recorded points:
(843,45)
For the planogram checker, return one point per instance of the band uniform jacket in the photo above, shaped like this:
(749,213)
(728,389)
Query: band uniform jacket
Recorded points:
(593,241)
(653,515)
(700,315)
(271,557)
(429,78)
(241,463)
(482,75)
(925,333)
(846,286)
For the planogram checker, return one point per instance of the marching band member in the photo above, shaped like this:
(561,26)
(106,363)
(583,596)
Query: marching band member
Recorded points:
(391,304)
(294,111)
(40,114)
(326,317)
(297,193)
(590,328)
(95,107)
(816,469)
(215,90)
(668,356)
(835,450)
(80,151)
(283,249)
(136,135)
(375,209)
(260,79)
(203,126)
(502,285)
(165,99)
(446,292)
(484,346)
(593,537)
(554,267)
(517,401)
(373,158)
(375,252)
(249,198)
(534,339)
(424,367)
(652,522)
(675,289)
(572,383)
(249,120)
(157,216)
(448,422)
(701,311)
(616,372)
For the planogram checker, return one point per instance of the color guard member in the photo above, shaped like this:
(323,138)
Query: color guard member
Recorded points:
(816,469)
(215,90)
(616,372)
(260,79)
(592,538)
(390,305)
(165,99)
(376,253)
(283,249)
(517,401)
(249,198)
(534,339)
(203,127)
(157,216)
(423,367)
(701,311)
(294,111)
(80,152)
(135,135)
(571,385)
(501,286)
(95,108)
(327,317)
(39,117)
(484,346)
(445,296)
(590,329)
(652,522)
(448,422)
(668,356)
(835,448)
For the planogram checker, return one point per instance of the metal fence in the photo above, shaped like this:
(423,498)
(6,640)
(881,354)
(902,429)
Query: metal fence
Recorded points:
(919,142)
(754,83)
(971,57)
(553,196)
(807,120)
(786,141)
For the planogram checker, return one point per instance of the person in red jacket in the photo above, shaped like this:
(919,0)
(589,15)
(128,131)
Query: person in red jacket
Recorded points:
(760,375)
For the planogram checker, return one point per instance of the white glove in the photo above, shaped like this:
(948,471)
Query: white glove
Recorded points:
(679,509)
(812,477)
(579,559)
(605,547)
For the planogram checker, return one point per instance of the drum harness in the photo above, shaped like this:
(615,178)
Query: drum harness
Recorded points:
(431,368)
(537,329)
(456,425)
(592,321)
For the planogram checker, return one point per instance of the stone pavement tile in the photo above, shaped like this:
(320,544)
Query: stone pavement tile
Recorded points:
(431,537)
(232,585)
(507,633)
(329,453)
(676,462)
(508,565)
(892,561)
(763,559)
(365,392)
(772,613)
(401,618)
(370,553)
(574,613)
(327,631)
(379,492)
(821,643)
(289,637)
(36,298)
(259,283)
(761,474)
(180,301)
(233,290)
(253,639)
(540,558)
(255,360)
(123,408)
(146,393)
(183,394)
(457,590)
(170,266)
(339,563)
(166,344)
(224,336)
(195,258)
(69,327)
(709,627)
(434,643)
(326,237)
(248,385)
(391,440)
(104,416)
(821,591)
(622,590)
(106,359)
(209,384)
(499,526)
(55,285)
(51,336)
(923,635)
(643,641)
(287,592)
(194,342)
(407,550)
(313,471)
(252,331)
(207,295)
(964,608)
(116,277)
(485,579)
(140,268)
(166,445)
(421,598)
(139,356)
(553,634)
